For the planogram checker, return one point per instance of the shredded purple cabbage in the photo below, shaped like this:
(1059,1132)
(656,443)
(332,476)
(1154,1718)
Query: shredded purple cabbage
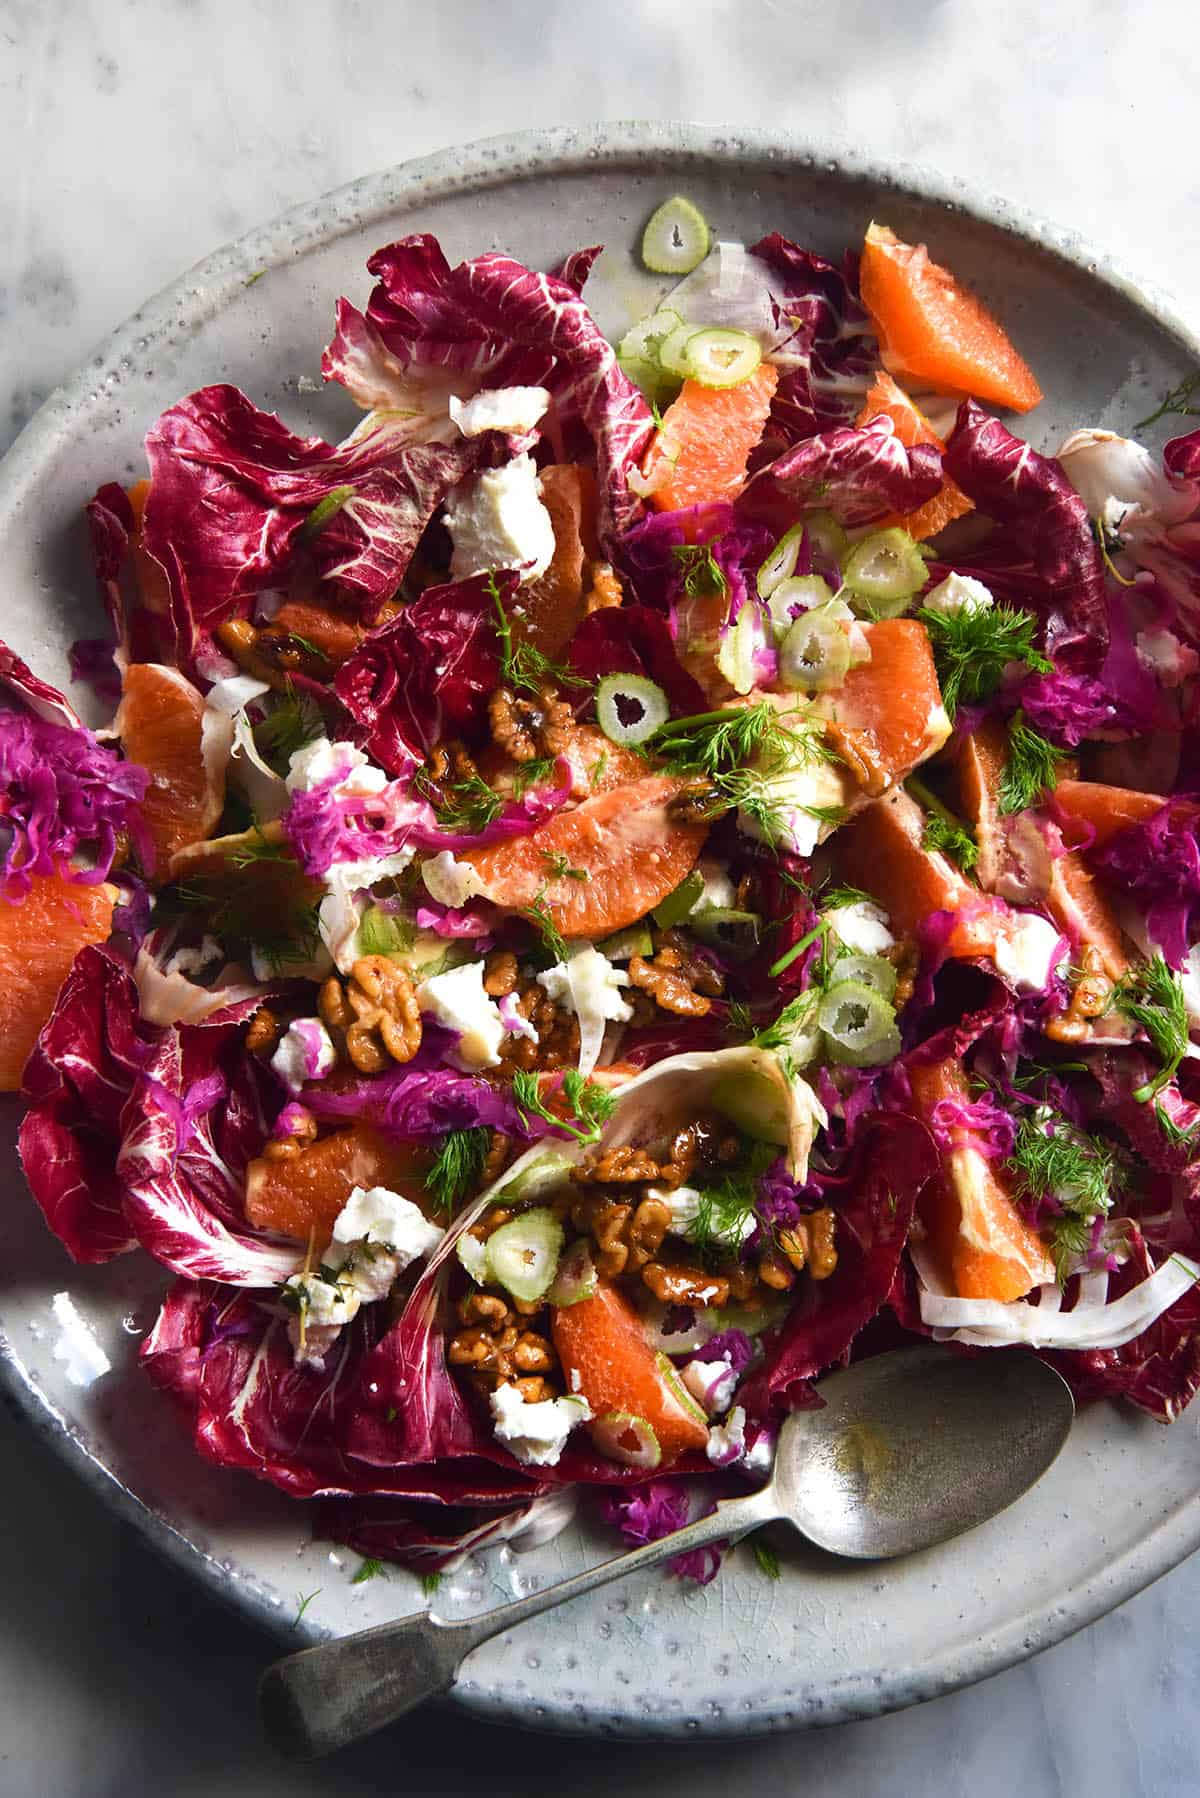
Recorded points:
(990,1127)
(1157,862)
(61,795)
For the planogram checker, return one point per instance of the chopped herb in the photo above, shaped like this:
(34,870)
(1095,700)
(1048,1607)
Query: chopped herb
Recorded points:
(383,933)
(738,1019)
(1053,1160)
(596,771)
(827,814)
(305,645)
(1153,997)
(258,848)
(1174,1133)
(943,830)
(699,570)
(835,898)
(467,804)
(724,1209)
(591,1105)
(430,1583)
(1176,402)
(458,1167)
(523,667)
(370,1569)
(1031,768)
(539,916)
(768,1560)
(972,649)
(256,276)
(532,774)
(325,509)
(391,1414)
(303,1600)
(559,867)
(293,721)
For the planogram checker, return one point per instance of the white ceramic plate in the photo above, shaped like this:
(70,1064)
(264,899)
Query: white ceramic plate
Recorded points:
(827,1641)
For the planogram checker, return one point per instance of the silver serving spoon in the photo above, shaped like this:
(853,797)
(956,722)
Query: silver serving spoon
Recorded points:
(911,1448)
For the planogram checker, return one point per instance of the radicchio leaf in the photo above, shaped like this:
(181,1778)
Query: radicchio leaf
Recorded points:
(427,673)
(431,330)
(858,475)
(232,490)
(1046,543)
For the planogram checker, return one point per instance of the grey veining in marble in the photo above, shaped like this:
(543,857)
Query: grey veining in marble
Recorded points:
(138,133)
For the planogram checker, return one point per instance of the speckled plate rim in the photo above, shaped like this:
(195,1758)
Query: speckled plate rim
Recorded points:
(198,295)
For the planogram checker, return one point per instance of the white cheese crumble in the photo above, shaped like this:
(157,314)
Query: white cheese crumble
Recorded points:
(685,1204)
(795,798)
(320,1309)
(861,927)
(343,763)
(197,959)
(498,521)
(512,409)
(959,593)
(305,1052)
(589,985)
(727,1441)
(1027,950)
(711,1384)
(718,892)
(457,1000)
(377,1234)
(451,882)
(535,1434)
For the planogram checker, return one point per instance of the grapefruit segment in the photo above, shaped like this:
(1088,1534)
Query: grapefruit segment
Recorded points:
(1106,809)
(599,867)
(41,937)
(881,851)
(550,608)
(302,1196)
(706,438)
(605,1357)
(1081,911)
(981,1245)
(980,768)
(164,724)
(912,426)
(934,329)
(887,716)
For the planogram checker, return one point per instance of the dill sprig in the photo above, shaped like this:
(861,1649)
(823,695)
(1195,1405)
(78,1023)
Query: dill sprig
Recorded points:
(943,830)
(1077,1172)
(699,570)
(430,1583)
(1176,402)
(370,1569)
(523,666)
(1031,768)
(738,750)
(257,847)
(293,722)
(539,915)
(1153,997)
(558,866)
(590,1105)
(458,1167)
(972,649)
(536,773)
(467,804)
(768,1560)
(725,1208)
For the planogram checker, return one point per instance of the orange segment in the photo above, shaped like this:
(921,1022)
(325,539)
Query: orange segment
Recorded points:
(303,1195)
(933,328)
(623,851)
(1106,809)
(1081,910)
(912,426)
(39,939)
(890,708)
(162,724)
(605,1356)
(881,852)
(549,609)
(979,768)
(153,590)
(981,1245)
(706,438)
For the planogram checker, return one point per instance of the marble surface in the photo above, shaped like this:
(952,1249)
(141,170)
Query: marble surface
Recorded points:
(137,134)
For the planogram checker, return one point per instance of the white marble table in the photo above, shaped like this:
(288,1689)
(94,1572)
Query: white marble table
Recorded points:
(137,134)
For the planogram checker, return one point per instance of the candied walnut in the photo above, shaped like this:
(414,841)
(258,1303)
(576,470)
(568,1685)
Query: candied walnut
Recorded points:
(374,1013)
(511,725)
(605,588)
(775,1271)
(696,803)
(533,1389)
(302,1133)
(809,1243)
(263,1032)
(706,1142)
(1091,995)
(616,1167)
(906,959)
(499,1352)
(857,750)
(446,764)
(270,655)
(557,1044)
(500,974)
(498,1157)
(486,1308)
(676,978)
(685,1285)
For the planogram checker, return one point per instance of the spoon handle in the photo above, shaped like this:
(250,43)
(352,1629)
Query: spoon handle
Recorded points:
(324,1697)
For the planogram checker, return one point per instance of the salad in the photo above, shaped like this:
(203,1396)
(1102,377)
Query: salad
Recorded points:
(649,869)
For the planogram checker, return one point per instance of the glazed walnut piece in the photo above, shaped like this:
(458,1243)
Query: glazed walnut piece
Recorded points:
(526,726)
(373,1012)
(677,978)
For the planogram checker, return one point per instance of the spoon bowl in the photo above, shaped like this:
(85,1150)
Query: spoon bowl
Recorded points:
(917,1446)
(909,1449)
